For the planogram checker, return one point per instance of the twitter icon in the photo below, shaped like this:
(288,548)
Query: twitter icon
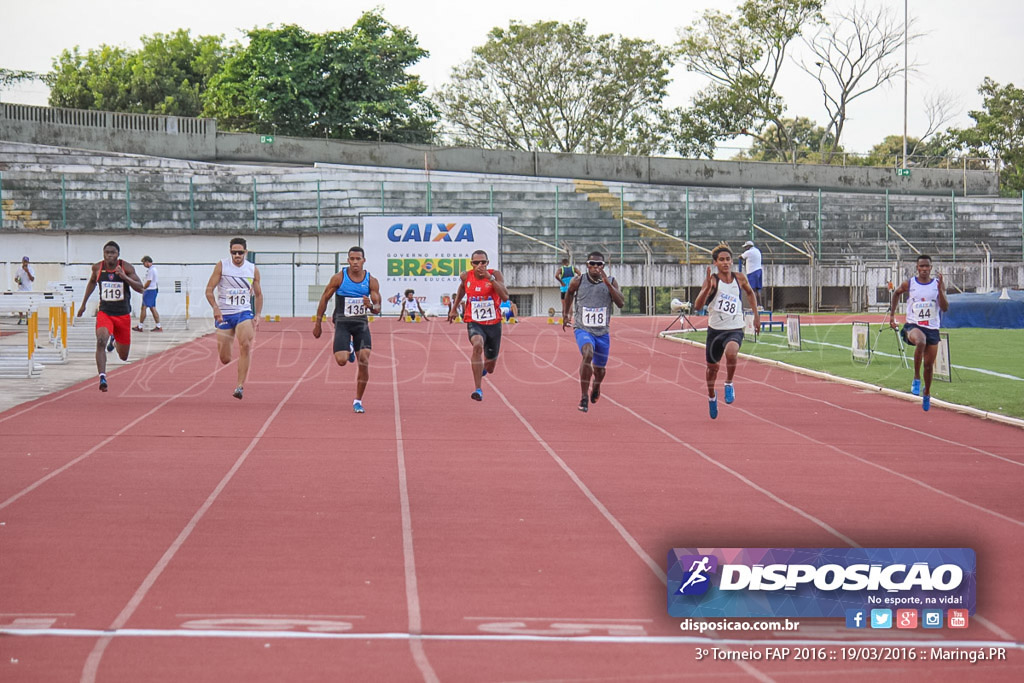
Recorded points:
(881,618)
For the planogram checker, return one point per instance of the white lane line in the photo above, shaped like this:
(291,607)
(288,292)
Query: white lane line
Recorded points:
(491,637)
(101,444)
(853,456)
(835,379)
(92,663)
(412,596)
(598,505)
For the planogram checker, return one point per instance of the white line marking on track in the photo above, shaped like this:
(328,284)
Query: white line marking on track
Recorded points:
(412,597)
(101,444)
(865,461)
(483,637)
(604,511)
(92,663)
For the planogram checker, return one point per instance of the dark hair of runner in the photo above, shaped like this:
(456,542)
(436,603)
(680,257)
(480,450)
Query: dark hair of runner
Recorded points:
(358,249)
(113,244)
(718,250)
(238,240)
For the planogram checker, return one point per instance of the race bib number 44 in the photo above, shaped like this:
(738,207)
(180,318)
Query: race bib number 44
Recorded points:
(111,291)
(595,317)
(483,311)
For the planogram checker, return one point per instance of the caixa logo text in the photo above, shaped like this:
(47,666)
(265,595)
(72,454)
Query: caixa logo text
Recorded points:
(431,232)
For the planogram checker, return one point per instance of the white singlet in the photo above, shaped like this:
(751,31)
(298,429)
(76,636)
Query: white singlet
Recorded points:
(234,292)
(725,311)
(923,304)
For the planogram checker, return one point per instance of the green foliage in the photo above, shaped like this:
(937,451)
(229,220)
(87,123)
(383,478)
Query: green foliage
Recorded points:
(932,153)
(167,76)
(998,132)
(743,57)
(550,86)
(808,141)
(350,84)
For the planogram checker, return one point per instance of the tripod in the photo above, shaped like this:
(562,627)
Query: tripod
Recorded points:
(683,322)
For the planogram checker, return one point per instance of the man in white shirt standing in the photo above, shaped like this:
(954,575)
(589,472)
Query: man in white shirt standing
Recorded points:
(752,267)
(149,295)
(24,279)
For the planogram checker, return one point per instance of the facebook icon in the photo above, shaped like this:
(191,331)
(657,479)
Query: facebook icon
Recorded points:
(856,618)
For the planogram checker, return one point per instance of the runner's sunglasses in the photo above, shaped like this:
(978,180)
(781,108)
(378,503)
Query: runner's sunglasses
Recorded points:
(595,263)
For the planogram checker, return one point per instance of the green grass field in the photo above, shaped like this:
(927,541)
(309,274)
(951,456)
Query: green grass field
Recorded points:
(987,365)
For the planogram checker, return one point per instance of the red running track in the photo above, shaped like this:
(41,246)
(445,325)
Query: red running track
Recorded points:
(167,532)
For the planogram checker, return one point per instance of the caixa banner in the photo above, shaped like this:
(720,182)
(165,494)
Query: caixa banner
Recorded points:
(816,582)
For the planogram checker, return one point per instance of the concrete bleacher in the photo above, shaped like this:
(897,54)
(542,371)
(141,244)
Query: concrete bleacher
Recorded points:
(47,188)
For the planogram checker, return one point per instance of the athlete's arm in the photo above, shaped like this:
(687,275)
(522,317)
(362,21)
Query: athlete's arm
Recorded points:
(499,284)
(570,294)
(210,296)
(374,297)
(257,297)
(91,285)
(128,273)
(321,308)
(706,290)
(751,300)
(453,312)
(613,290)
(943,302)
(895,300)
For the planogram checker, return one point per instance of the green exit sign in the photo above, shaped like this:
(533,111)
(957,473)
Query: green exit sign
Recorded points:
(903,171)
(267,139)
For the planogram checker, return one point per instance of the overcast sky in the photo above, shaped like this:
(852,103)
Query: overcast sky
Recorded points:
(964,42)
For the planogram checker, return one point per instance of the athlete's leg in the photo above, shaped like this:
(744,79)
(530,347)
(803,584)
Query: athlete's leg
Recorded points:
(363,372)
(142,316)
(931,352)
(156,316)
(732,351)
(476,360)
(586,368)
(710,375)
(244,333)
(102,338)
(595,390)
(917,338)
(225,338)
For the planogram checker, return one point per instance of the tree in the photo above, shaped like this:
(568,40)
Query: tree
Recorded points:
(350,84)
(743,57)
(853,55)
(167,76)
(802,134)
(550,86)
(998,132)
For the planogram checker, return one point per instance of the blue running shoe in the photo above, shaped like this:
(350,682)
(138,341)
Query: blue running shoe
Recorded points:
(477,395)
(915,387)
(730,393)
(237,393)
(103,382)
(357,406)
(484,373)
(584,404)
(926,403)
(352,359)
(713,407)
(110,344)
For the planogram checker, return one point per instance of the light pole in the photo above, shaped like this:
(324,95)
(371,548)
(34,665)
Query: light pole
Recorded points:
(905,83)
